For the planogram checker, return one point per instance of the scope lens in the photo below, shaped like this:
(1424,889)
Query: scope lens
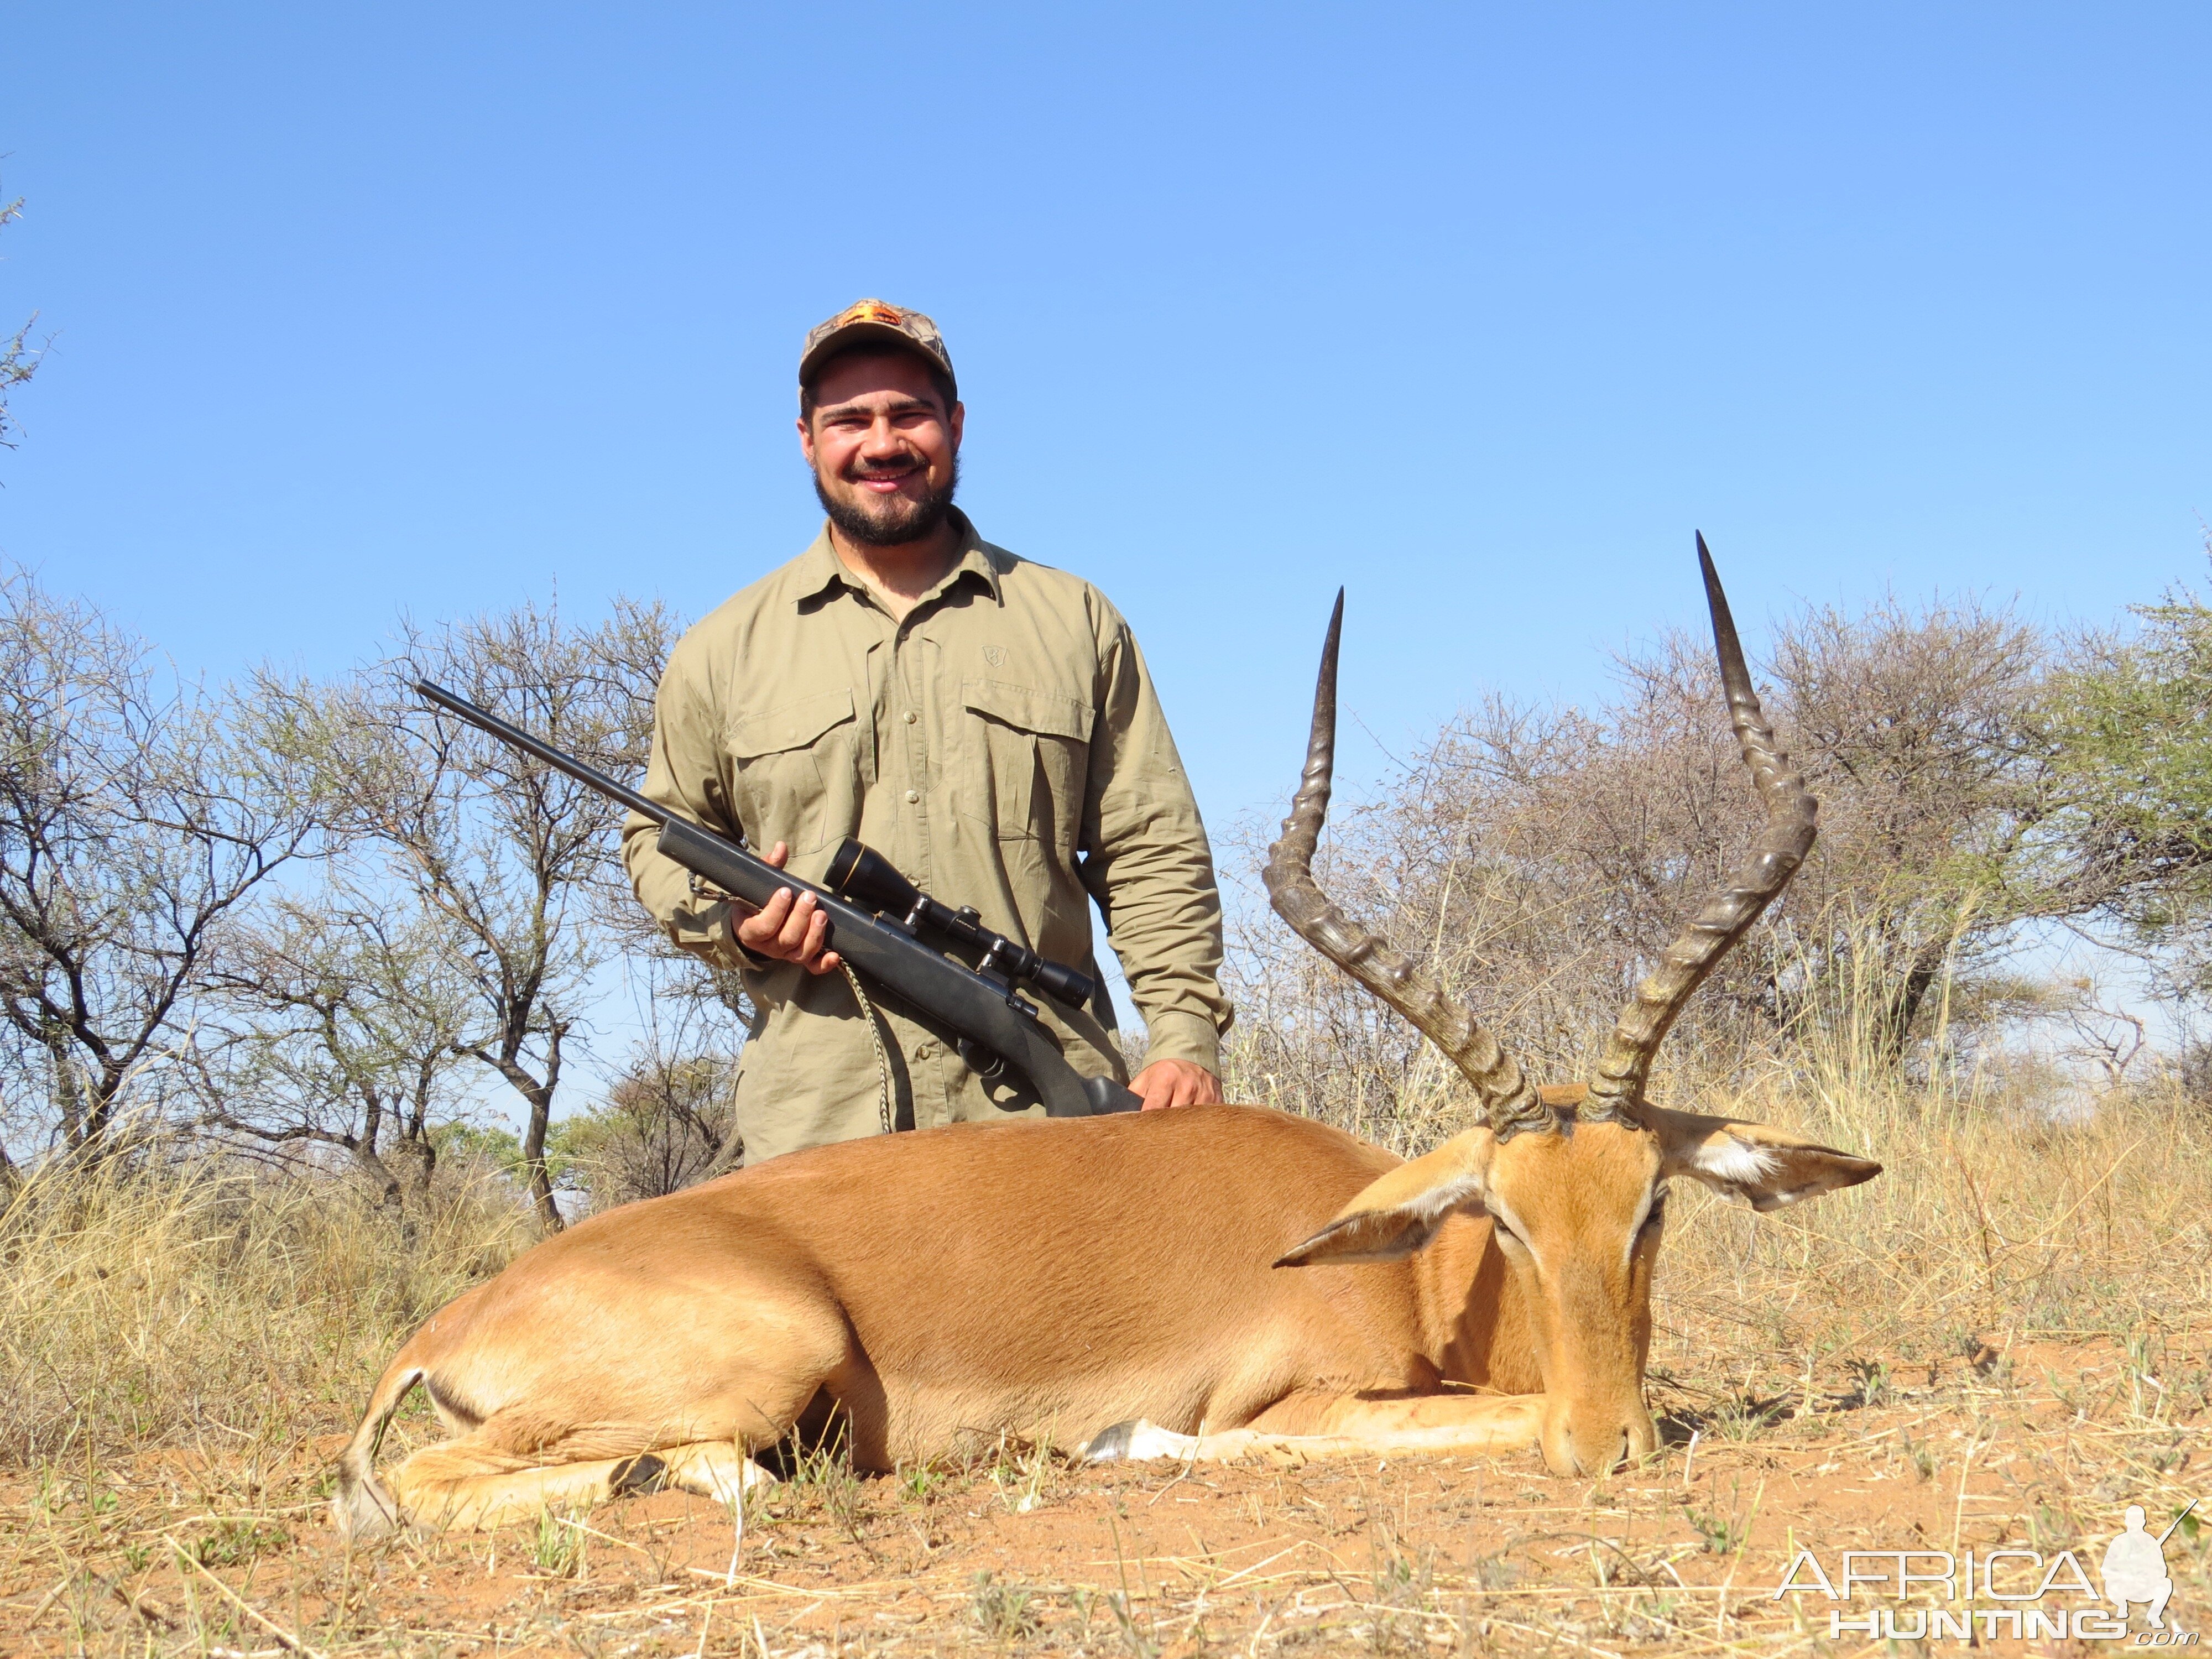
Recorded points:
(861,873)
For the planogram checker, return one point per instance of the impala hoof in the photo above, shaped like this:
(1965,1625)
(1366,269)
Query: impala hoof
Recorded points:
(1111,1445)
(640,1477)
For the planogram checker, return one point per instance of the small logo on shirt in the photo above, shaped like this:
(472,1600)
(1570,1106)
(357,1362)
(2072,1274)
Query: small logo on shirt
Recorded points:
(996,655)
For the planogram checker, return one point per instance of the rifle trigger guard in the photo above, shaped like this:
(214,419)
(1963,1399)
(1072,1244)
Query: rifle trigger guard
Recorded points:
(986,1063)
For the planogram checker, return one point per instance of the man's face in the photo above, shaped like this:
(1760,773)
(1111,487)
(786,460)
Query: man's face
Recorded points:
(884,450)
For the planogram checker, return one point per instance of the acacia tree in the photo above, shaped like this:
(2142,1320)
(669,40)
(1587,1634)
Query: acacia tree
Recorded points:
(1917,731)
(137,819)
(511,860)
(18,358)
(1541,856)
(2128,727)
(666,1118)
(344,1029)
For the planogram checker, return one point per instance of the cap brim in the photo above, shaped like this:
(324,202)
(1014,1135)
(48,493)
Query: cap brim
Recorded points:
(875,334)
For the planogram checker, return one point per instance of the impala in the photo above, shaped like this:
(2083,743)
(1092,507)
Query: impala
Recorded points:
(1203,1283)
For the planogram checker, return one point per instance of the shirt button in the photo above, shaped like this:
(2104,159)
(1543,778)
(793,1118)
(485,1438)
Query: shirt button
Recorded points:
(912,796)
(925,1051)
(909,717)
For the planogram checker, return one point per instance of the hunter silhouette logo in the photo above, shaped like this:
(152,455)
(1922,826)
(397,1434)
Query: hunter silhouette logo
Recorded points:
(2135,1567)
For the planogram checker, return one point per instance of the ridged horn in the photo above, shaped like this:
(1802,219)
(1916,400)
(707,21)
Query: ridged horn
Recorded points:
(1625,1065)
(1508,1098)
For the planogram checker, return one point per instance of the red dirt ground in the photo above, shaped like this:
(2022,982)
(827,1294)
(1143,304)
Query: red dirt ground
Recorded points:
(203,1553)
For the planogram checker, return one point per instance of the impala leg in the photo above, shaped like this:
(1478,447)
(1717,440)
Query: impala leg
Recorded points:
(712,1468)
(1313,1428)
(456,1486)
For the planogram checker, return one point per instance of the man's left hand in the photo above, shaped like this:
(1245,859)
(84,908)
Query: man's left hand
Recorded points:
(1176,1082)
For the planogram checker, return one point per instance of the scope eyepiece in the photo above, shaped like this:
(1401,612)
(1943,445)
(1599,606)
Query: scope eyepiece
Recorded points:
(1062,983)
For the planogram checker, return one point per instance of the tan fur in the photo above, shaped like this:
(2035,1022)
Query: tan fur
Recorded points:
(1039,1280)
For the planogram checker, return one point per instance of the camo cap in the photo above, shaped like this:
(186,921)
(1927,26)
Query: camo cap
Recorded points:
(874,322)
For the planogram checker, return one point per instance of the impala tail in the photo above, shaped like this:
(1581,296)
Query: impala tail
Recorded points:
(361,1507)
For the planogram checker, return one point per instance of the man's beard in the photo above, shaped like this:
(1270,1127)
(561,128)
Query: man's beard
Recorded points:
(890,521)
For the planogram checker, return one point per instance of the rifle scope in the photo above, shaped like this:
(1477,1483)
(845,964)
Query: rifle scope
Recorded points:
(868,879)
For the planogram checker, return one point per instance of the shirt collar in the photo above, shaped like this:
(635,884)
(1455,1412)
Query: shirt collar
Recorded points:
(820,568)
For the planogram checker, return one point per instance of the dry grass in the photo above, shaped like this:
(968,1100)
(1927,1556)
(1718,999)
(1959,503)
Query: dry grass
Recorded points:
(2003,1338)
(194,1306)
(1989,1225)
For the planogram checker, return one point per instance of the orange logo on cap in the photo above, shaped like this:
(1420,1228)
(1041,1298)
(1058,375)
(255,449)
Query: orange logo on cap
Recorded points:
(872,310)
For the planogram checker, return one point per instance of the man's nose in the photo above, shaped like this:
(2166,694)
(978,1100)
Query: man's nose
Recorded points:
(883,439)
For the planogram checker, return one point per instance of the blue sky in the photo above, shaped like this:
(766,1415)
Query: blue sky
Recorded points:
(1479,310)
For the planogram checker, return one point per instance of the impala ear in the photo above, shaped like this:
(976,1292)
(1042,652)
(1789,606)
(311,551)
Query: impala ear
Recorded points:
(1394,1215)
(1766,1168)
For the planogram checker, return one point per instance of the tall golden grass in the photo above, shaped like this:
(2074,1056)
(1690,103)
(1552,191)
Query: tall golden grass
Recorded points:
(148,1305)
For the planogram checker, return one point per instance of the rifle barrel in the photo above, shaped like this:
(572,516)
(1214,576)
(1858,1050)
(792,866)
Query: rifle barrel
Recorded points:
(453,702)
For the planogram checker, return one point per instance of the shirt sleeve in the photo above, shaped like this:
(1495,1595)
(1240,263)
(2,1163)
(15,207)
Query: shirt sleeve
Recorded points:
(1148,864)
(684,775)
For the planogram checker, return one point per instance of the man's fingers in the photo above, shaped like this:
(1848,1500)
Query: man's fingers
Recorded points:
(1176,1082)
(758,932)
(802,932)
(817,935)
(777,854)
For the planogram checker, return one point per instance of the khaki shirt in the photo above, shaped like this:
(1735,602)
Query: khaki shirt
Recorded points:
(1003,748)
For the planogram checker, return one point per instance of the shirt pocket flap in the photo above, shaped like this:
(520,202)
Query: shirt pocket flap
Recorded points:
(791,726)
(1045,713)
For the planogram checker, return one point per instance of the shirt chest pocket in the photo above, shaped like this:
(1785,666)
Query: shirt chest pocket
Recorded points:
(794,772)
(1024,757)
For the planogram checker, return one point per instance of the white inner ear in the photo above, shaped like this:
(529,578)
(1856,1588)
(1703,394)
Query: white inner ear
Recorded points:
(1737,1164)
(1432,1208)
(1463,1194)
(1656,1195)
(1417,1220)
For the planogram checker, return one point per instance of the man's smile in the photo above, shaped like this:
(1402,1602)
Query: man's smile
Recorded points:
(884,483)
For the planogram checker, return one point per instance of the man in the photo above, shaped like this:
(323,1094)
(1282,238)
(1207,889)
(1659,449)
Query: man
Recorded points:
(985,723)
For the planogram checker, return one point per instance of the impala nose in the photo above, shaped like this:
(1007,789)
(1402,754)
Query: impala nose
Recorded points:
(1595,1443)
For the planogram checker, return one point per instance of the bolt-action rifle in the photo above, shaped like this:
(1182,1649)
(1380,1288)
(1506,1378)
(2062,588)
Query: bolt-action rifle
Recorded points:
(889,932)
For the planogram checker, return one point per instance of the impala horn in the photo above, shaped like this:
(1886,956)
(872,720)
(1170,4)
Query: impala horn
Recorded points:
(1626,1065)
(1508,1097)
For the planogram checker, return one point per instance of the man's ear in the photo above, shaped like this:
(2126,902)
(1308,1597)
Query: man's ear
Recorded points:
(1394,1215)
(1766,1168)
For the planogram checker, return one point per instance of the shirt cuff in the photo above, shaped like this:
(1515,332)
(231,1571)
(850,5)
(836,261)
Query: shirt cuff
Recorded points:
(734,955)
(1176,1034)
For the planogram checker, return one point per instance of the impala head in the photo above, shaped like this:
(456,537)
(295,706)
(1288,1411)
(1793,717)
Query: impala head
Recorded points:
(1574,1179)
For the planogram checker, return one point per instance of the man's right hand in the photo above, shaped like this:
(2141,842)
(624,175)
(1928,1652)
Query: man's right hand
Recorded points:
(789,927)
